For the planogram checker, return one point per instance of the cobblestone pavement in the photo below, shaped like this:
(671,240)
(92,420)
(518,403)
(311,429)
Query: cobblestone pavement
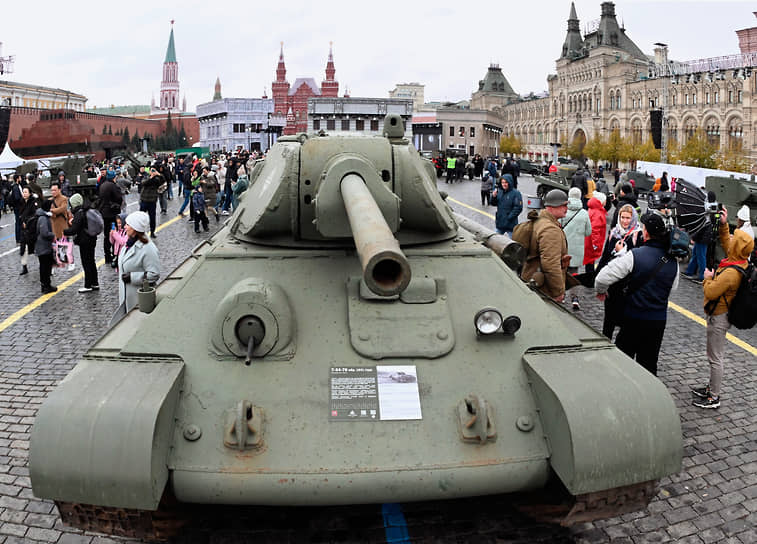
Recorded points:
(713,499)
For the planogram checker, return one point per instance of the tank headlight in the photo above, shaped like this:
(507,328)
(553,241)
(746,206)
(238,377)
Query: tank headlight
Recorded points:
(487,321)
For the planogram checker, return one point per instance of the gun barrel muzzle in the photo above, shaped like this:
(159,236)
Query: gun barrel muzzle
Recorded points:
(386,270)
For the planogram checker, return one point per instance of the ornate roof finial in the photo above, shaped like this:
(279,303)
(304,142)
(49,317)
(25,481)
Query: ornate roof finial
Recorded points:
(281,54)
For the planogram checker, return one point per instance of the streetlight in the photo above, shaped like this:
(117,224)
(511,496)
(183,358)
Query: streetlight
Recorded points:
(248,129)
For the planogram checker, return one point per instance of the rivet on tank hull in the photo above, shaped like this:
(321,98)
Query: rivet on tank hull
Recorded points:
(192,432)
(525,424)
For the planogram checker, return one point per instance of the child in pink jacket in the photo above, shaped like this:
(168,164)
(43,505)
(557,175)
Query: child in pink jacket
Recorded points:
(118,239)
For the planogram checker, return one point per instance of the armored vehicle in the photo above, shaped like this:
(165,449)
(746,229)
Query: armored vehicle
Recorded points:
(558,180)
(356,346)
(642,182)
(73,166)
(734,193)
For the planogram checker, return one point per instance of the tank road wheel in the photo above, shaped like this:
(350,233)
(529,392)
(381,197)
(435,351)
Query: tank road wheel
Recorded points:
(160,525)
(547,507)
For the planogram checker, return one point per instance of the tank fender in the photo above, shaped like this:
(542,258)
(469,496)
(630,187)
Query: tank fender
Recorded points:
(608,422)
(103,434)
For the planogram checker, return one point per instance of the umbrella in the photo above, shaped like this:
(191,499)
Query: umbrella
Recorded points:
(691,212)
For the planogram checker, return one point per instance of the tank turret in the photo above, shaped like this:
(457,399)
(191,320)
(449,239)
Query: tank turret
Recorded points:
(363,345)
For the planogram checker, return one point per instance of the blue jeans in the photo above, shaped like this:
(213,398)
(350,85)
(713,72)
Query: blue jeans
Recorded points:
(698,261)
(170,188)
(508,232)
(187,198)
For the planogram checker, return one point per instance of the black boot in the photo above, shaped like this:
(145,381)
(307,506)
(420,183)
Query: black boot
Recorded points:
(24,270)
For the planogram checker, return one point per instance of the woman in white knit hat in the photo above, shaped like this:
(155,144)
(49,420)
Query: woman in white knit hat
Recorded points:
(138,260)
(743,220)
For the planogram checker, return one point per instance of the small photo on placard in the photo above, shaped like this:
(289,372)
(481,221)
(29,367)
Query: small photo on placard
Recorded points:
(398,392)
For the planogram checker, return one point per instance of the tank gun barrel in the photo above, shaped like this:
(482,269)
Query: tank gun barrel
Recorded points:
(386,270)
(512,253)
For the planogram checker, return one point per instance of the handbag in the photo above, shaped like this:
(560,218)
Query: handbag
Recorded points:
(63,249)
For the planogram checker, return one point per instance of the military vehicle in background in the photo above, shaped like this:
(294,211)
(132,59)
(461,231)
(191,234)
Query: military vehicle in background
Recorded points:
(74,168)
(556,180)
(531,168)
(642,182)
(342,265)
(133,162)
(734,193)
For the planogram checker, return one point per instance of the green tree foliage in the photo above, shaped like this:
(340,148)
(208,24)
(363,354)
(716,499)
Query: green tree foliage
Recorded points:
(511,144)
(647,152)
(105,129)
(110,130)
(698,151)
(125,136)
(733,159)
(595,148)
(182,137)
(615,148)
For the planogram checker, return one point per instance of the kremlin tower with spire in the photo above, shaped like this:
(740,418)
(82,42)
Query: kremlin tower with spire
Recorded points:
(292,101)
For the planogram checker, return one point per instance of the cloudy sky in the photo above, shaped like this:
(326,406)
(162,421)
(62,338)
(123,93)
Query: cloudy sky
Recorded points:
(114,55)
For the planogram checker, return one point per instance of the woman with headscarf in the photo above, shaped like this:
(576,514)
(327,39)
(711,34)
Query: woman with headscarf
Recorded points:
(624,236)
(138,260)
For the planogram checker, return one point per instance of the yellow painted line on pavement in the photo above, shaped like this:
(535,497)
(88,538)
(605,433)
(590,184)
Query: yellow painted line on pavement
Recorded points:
(731,338)
(10,320)
(463,204)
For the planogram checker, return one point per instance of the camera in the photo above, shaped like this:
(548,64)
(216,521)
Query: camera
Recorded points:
(662,200)
(711,207)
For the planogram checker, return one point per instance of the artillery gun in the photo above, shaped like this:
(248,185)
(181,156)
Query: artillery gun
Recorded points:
(733,193)
(557,180)
(363,348)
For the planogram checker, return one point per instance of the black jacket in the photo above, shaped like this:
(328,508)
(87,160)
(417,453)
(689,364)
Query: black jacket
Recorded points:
(78,227)
(110,199)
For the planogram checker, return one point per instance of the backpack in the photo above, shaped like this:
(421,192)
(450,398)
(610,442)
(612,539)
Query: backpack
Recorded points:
(679,243)
(95,222)
(523,232)
(742,312)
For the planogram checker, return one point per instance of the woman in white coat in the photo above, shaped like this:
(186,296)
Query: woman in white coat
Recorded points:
(138,260)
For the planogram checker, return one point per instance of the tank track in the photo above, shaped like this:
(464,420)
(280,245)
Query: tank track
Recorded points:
(160,525)
(592,506)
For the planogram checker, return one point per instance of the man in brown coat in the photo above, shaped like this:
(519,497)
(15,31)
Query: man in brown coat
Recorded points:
(548,254)
(59,209)
(719,289)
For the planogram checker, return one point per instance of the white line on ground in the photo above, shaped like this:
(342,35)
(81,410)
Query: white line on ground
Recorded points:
(9,252)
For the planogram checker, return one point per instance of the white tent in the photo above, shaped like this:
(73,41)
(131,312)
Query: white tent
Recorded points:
(8,159)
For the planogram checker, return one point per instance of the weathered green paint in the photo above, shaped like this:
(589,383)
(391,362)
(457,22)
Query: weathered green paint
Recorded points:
(558,393)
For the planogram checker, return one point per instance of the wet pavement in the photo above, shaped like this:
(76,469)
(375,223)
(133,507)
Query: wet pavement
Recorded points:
(713,499)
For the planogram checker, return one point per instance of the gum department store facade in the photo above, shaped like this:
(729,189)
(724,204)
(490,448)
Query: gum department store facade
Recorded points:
(604,83)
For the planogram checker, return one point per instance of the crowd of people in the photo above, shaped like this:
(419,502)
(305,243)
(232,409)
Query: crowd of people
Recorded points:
(627,260)
(50,225)
(593,236)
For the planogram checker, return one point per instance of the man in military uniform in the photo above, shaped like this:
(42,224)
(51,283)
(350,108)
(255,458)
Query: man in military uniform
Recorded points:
(548,252)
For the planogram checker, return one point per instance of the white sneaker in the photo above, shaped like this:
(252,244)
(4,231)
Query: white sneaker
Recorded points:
(71,267)
(225,212)
(85,289)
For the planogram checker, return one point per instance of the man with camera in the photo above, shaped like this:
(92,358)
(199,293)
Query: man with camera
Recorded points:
(720,287)
(649,273)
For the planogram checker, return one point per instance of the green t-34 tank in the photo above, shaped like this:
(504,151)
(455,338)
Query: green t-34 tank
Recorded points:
(346,342)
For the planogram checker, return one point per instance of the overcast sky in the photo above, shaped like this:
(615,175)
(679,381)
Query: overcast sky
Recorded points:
(113,53)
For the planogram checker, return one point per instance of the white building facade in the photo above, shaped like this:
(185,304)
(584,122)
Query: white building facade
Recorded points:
(357,115)
(229,124)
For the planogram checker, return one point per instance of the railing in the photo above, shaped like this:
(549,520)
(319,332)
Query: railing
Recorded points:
(715,65)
